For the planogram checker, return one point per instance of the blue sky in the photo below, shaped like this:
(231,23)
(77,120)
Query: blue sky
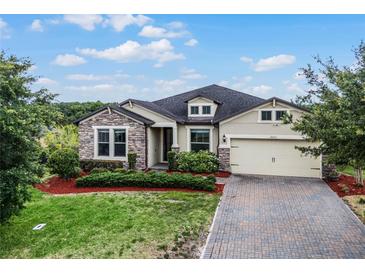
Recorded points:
(111,58)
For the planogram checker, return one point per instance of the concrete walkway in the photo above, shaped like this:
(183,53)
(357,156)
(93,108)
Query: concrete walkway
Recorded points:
(283,217)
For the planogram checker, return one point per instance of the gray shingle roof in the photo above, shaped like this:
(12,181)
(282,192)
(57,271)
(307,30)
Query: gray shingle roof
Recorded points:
(231,101)
(128,113)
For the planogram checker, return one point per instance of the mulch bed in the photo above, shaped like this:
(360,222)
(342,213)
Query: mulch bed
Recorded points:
(219,174)
(57,185)
(345,186)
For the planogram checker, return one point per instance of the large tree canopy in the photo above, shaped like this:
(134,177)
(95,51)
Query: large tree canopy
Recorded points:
(23,117)
(336,99)
(74,110)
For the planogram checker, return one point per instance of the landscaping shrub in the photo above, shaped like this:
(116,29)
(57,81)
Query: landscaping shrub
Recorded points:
(132,160)
(88,165)
(171,159)
(98,170)
(202,161)
(64,162)
(150,179)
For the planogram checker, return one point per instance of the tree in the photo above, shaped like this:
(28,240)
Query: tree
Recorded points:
(62,137)
(74,110)
(336,100)
(24,115)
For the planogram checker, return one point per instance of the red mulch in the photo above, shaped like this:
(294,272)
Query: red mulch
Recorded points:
(57,185)
(348,183)
(219,174)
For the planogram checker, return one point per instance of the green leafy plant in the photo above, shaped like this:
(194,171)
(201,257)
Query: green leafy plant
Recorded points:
(62,137)
(98,170)
(120,170)
(149,179)
(202,161)
(132,160)
(361,200)
(64,162)
(88,165)
(171,159)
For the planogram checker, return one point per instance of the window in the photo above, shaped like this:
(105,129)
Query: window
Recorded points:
(103,142)
(110,142)
(119,142)
(206,109)
(199,139)
(194,110)
(266,115)
(279,114)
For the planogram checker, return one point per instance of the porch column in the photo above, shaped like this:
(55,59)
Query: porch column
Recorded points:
(174,145)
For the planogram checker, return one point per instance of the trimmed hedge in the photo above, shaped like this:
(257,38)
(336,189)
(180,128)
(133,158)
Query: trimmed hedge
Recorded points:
(88,165)
(202,161)
(150,179)
(64,162)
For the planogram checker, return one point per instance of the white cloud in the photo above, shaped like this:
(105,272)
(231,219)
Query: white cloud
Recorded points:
(131,51)
(293,87)
(270,63)
(45,81)
(246,59)
(191,74)
(67,60)
(4,30)
(102,88)
(37,26)
(191,43)
(261,90)
(169,85)
(237,82)
(87,77)
(120,21)
(86,21)
(176,25)
(157,32)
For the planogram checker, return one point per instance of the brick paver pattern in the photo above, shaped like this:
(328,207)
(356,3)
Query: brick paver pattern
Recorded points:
(283,217)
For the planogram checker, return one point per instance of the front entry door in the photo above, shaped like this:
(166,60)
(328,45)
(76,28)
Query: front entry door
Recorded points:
(167,142)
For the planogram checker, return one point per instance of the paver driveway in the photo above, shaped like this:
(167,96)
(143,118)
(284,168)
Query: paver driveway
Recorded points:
(283,217)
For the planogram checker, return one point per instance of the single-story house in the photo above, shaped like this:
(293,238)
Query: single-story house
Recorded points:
(245,131)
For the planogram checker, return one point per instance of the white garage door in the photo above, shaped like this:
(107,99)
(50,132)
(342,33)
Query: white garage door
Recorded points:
(272,157)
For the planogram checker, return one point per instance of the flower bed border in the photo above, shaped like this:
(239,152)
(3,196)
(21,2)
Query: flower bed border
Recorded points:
(347,181)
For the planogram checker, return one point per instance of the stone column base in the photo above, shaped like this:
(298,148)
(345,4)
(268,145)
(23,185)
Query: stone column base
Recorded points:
(224,158)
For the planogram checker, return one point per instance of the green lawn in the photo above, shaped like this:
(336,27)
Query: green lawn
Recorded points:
(110,225)
(347,170)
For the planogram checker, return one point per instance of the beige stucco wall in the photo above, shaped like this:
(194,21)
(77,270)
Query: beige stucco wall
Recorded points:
(154,148)
(148,114)
(247,123)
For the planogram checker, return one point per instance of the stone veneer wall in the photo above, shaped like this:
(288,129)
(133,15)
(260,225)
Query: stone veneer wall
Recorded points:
(136,136)
(224,158)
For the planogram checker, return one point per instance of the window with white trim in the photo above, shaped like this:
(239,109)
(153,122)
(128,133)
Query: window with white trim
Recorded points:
(119,143)
(110,142)
(266,115)
(206,110)
(199,139)
(103,142)
(194,110)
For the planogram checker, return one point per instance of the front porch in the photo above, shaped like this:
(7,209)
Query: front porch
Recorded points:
(161,139)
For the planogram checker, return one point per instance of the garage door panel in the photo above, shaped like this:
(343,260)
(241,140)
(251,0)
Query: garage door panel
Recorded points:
(272,157)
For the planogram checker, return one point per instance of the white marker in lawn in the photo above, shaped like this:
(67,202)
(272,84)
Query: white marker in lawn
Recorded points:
(39,227)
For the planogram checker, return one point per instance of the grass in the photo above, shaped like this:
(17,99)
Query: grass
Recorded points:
(108,225)
(349,170)
(357,204)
